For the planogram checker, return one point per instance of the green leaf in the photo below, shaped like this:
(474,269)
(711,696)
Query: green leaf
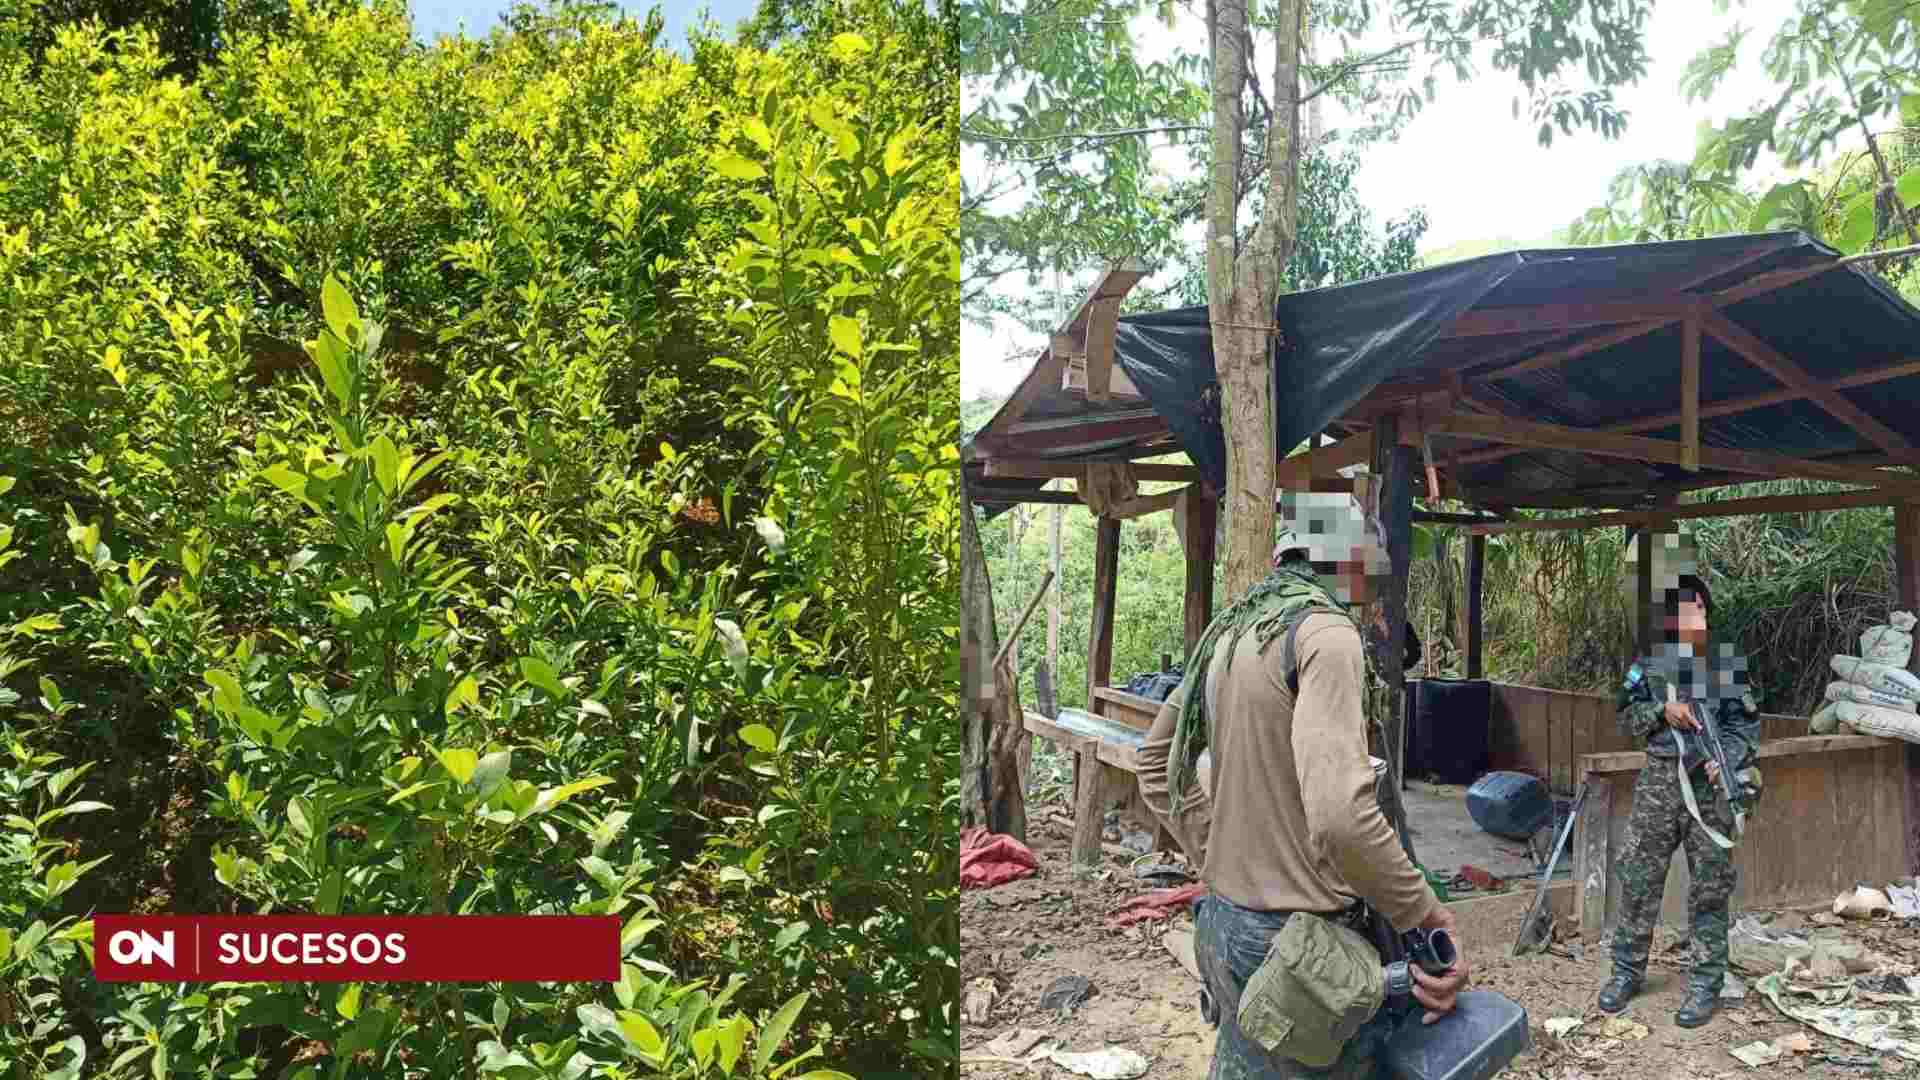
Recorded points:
(897,159)
(846,335)
(1908,188)
(735,167)
(791,933)
(386,464)
(642,1034)
(601,871)
(459,762)
(541,674)
(703,1044)
(1856,224)
(349,1003)
(226,691)
(733,1039)
(850,47)
(6,944)
(492,771)
(328,901)
(299,819)
(329,355)
(760,737)
(6,484)
(771,1036)
(555,796)
(824,1074)
(411,790)
(338,306)
(757,130)
(465,692)
(636,931)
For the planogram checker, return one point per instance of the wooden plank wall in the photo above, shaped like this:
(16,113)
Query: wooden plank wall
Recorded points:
(1847,791)
(1544,733)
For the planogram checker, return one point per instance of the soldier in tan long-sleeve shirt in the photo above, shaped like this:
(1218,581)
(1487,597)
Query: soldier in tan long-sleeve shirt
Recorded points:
(1288,818)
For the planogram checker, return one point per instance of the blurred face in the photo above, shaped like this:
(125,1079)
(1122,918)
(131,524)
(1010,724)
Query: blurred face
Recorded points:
(1342,545)
(1689,621)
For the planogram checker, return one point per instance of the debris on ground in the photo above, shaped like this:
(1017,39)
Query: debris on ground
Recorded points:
(1619,1027)
(1112,1063)
(1862,902)
(1067,993)
(1167,875)
(1757,950)
(1734,989)
(1826,1013)
(979,1000)
(1756,1054)
(1180,944)
(1015,1043)
(1562,1026)
(989,859)
(1158,904)
(1474,879)
(1905,901)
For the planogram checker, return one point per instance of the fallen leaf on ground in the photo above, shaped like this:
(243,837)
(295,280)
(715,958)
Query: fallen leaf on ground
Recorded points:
(1562,1026)
(1014,1043)
(1619,1027)
(1113,1063)
(1796,1042)
(1756,1054)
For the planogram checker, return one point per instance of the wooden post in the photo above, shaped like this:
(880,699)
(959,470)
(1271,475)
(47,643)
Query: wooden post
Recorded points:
(1395,463)
(1203,513)
(1106,568)
(1690,395)
(1476,613)
(1906,572)
(1646,632)
(1053,598)
(1089,804)
(1591,854)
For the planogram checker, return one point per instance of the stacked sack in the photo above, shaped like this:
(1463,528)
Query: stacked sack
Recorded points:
(1876,695)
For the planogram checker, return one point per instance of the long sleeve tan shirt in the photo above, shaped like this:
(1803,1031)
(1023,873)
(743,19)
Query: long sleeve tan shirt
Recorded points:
(1294,821)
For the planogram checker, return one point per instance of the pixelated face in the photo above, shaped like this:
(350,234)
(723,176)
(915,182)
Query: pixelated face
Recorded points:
(1717,676)
(1687,620)
(1343,545)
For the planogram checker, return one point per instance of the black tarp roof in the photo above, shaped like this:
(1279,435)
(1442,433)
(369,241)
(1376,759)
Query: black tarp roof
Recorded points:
(1339,344)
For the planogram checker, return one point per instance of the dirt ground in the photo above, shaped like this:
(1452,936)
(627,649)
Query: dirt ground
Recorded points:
(1021,936)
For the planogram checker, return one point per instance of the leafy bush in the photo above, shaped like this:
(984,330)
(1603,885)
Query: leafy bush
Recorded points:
(497,477)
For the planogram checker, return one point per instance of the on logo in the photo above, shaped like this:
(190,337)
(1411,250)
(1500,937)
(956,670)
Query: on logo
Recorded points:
(140,947)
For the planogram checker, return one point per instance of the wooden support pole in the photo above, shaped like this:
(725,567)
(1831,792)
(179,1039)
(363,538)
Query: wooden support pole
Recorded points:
(1476,584)
(1394,464)
(1203,514)
(1102,321)
(1690,394)
(1106,568)
(1644,628)
(1906,572)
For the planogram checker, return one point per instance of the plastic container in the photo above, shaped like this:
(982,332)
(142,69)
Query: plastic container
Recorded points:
(1447,729)
(1481,1037)
(1510,804)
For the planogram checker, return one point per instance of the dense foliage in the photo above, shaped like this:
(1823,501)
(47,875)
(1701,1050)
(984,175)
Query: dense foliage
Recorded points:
(491,477)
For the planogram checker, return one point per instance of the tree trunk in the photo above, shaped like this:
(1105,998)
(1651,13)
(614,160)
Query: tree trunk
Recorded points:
(1242,286)
(978,643)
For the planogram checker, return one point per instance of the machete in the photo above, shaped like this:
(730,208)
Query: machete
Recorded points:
(1540,910)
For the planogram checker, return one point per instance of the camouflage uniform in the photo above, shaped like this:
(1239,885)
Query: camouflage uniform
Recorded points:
(1661,822)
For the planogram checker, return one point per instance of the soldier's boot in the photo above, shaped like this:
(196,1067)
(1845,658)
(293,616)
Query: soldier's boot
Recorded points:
(1702,1000)
(1619,990)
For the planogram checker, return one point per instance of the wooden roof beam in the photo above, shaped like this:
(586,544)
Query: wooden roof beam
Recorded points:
(1049,370)
(1770,360)
(1656,451)
(1765,504)
(1042,469)
(1488,322)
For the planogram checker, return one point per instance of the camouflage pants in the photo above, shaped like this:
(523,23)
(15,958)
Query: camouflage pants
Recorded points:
(1230,943)
(1660,824)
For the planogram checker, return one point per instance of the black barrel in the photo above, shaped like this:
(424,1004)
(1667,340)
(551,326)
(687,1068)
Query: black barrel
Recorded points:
(1447,729)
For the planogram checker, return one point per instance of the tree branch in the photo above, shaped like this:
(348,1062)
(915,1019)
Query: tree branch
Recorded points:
(1085,136)
(1346,70)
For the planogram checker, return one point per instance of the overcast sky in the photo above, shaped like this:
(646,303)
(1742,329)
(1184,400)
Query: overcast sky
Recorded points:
(1479,172)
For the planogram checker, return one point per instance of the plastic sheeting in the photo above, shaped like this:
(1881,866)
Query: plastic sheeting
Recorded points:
(1337,344)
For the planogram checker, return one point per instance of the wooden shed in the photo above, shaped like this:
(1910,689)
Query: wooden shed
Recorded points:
(1611,378)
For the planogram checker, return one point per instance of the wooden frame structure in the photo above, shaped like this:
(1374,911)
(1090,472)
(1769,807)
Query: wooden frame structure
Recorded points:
(1399,422)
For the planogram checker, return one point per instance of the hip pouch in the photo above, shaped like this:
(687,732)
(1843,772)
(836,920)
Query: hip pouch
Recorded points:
(1319,983)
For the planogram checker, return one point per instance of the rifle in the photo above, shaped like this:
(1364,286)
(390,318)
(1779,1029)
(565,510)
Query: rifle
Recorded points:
(1710,740)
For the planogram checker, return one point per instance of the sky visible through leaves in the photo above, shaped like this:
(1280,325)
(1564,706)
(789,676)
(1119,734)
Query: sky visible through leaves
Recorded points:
(432,18)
